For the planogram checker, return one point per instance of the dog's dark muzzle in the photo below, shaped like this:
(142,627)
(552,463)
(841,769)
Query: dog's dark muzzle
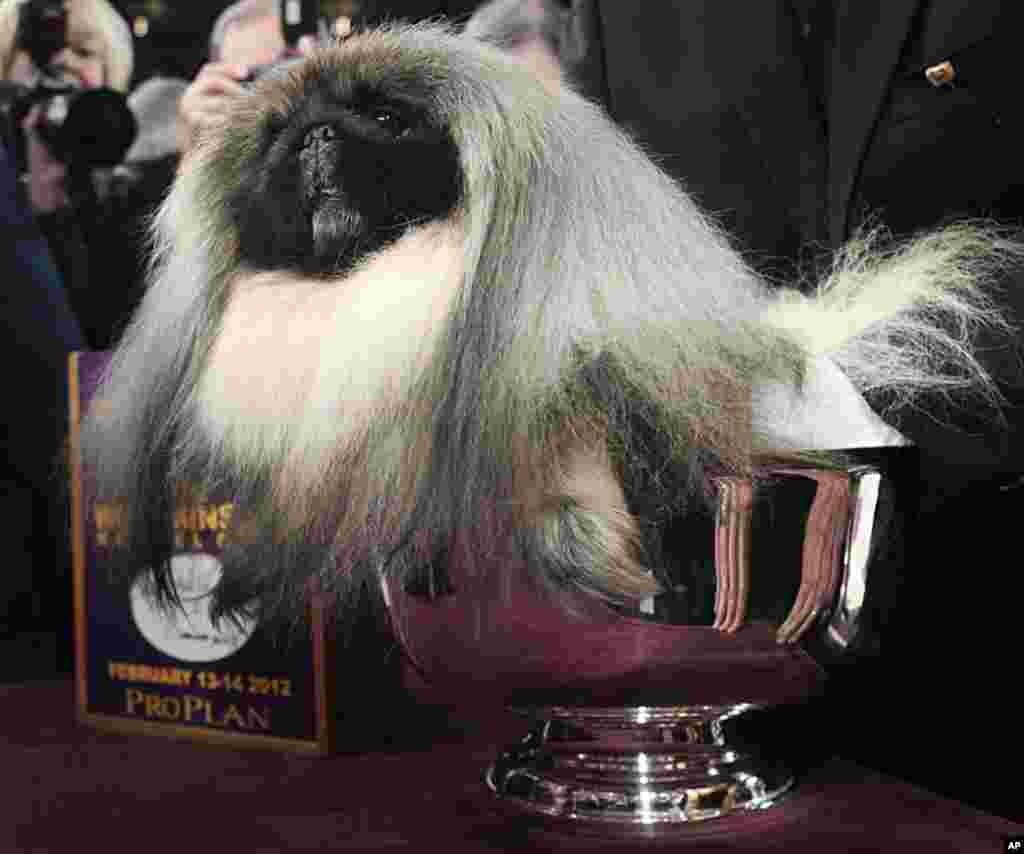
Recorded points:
(319,156)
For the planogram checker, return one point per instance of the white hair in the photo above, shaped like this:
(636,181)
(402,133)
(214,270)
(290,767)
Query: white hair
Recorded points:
(237,13)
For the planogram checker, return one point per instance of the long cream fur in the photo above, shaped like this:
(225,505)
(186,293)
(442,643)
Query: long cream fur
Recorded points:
(300,368)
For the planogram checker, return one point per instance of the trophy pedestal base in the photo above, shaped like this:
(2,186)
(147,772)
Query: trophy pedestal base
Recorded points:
(639,769)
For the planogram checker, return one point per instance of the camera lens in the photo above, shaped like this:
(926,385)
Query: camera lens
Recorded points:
(92,128)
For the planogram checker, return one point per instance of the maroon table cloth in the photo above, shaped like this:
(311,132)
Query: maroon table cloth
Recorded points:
(68,788)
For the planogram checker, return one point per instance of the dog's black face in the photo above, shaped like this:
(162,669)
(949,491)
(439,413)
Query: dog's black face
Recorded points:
(340,171)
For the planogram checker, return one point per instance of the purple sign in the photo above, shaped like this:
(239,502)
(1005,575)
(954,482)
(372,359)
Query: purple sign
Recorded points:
(140,667)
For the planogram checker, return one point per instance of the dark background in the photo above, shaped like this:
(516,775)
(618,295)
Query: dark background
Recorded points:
(177,32)
(175,43)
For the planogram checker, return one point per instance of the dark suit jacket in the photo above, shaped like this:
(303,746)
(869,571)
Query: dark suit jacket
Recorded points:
(40,331)
(718,93)
(957,148)
(917,156)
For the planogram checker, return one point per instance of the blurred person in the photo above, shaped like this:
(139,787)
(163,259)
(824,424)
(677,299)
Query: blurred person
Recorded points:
(61,193)
(99,52)
(245,37)
(99,49)
(41,330)
(246,34)
(133,191)
(538,32)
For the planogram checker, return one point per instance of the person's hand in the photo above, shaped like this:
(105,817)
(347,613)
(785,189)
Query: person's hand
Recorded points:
(306,45)
(46,174)
(202,103)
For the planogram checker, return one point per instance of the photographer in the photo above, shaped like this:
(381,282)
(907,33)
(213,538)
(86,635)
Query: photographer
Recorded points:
(54,51)
(247,36)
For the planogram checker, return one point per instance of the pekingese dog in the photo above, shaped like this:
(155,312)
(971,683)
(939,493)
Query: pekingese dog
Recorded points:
(406,296)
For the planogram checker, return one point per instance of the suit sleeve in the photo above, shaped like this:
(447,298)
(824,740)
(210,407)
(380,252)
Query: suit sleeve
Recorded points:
(41,331)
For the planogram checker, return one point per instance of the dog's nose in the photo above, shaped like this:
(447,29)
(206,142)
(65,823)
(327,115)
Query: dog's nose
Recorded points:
(318,156)
(318,136)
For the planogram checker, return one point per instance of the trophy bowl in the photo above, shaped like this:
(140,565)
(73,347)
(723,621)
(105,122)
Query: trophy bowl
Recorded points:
(637,718)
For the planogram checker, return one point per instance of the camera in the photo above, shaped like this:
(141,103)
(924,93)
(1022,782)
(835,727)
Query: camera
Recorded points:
(84,128)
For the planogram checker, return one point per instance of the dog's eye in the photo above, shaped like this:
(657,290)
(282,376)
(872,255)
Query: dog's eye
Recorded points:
(391,121)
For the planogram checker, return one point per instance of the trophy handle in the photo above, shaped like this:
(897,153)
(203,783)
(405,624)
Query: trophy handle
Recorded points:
(845,622)
(836,553)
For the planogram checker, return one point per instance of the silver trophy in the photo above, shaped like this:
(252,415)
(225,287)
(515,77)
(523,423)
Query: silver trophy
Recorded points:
(636,719)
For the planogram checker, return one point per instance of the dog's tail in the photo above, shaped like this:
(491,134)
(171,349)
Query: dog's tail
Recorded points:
(902,321)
